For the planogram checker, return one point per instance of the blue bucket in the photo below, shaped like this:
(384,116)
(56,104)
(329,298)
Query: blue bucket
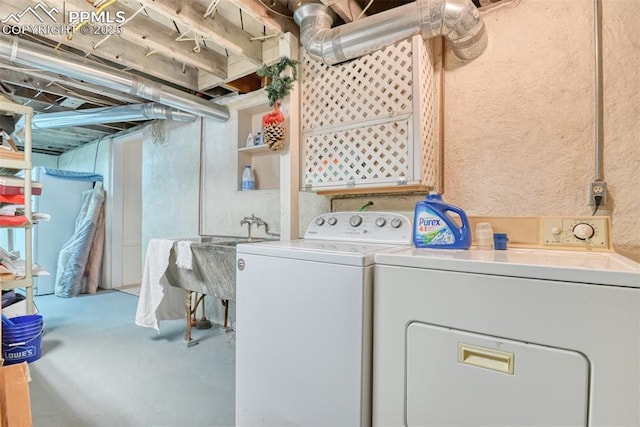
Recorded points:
(22,342)
(20,323)
(22,326)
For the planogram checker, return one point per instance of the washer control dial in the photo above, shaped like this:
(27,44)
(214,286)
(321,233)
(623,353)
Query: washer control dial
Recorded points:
(355,220)
(332,220)
(583,231)
(587,232)
(319,221)
(380,221)
(396,223)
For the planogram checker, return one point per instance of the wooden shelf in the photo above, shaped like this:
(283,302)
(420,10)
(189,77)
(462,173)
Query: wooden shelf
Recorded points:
(265,163)
(18,283)
(15,164)
(262,148)
(397,189)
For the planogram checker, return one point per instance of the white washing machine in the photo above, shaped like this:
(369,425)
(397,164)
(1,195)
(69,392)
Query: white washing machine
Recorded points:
(534,337)
(304,321)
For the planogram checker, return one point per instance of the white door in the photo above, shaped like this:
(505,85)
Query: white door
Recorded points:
(132,214)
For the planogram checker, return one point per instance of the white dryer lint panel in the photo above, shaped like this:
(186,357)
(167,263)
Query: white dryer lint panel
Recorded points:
(461,378)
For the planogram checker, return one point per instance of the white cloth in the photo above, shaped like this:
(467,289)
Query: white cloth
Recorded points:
(39,217)
(158,300)
(10,210)
(183,254)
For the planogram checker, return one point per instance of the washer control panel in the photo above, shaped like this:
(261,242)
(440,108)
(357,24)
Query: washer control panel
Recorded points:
(577,232)
(370,227)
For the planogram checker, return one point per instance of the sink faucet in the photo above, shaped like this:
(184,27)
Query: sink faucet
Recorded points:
(253,219)
(250,220)
(266,229)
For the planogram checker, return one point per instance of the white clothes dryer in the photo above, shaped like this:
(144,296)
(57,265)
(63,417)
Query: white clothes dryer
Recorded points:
(511,338)
(304,321)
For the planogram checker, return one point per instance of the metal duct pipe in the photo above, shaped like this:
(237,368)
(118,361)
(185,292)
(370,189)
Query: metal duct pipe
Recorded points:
(44,58)
(458,21)
(124,113)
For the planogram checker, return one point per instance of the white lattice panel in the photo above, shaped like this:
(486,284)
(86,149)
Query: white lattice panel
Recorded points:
(373,86)
(370,121)
(429,125)
(371,154)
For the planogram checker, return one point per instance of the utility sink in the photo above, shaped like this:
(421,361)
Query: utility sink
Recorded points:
(215,262)
(214,267)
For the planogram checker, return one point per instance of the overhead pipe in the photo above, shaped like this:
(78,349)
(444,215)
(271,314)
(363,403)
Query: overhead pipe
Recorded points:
(37,56)
(458,21)
(123,113)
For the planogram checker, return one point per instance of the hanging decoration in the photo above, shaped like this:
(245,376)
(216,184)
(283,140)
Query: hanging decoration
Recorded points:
(279,86)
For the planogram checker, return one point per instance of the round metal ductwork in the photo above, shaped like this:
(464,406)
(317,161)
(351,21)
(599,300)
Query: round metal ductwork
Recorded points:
(458,21)
(41,57)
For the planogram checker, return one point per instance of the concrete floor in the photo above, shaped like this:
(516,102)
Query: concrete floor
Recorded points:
(99,369)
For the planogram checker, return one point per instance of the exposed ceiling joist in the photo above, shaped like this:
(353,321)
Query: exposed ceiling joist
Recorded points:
(44,101)
(348,10)
(155,37)
(216,29)
(48,86)
(272,19)
(75,84)
(239,67)
(117,51)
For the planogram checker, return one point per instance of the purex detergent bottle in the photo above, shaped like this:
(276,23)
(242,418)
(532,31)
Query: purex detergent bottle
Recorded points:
(434,228)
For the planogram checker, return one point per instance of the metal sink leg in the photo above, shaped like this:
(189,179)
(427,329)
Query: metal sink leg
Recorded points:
(225,304)
(187,335)
(191,313)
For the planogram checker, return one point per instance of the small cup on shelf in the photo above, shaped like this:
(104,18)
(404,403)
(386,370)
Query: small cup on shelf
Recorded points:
(484,236)
(500,241)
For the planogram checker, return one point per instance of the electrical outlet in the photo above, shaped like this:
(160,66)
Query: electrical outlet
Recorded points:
(597,188)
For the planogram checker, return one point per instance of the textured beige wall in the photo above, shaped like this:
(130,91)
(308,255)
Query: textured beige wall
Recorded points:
(519,120)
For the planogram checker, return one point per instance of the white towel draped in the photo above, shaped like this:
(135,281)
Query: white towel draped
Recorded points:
(158,300)
(183,254)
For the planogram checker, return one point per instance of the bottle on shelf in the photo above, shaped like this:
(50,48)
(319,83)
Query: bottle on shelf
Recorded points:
(258,139)
(248,182)
(250,142)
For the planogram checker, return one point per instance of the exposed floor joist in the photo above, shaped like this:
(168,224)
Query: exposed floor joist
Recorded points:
(216,29)
(51,87)
(272,19)
(148,34)
(348,10)
(118,51)
(75,84)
